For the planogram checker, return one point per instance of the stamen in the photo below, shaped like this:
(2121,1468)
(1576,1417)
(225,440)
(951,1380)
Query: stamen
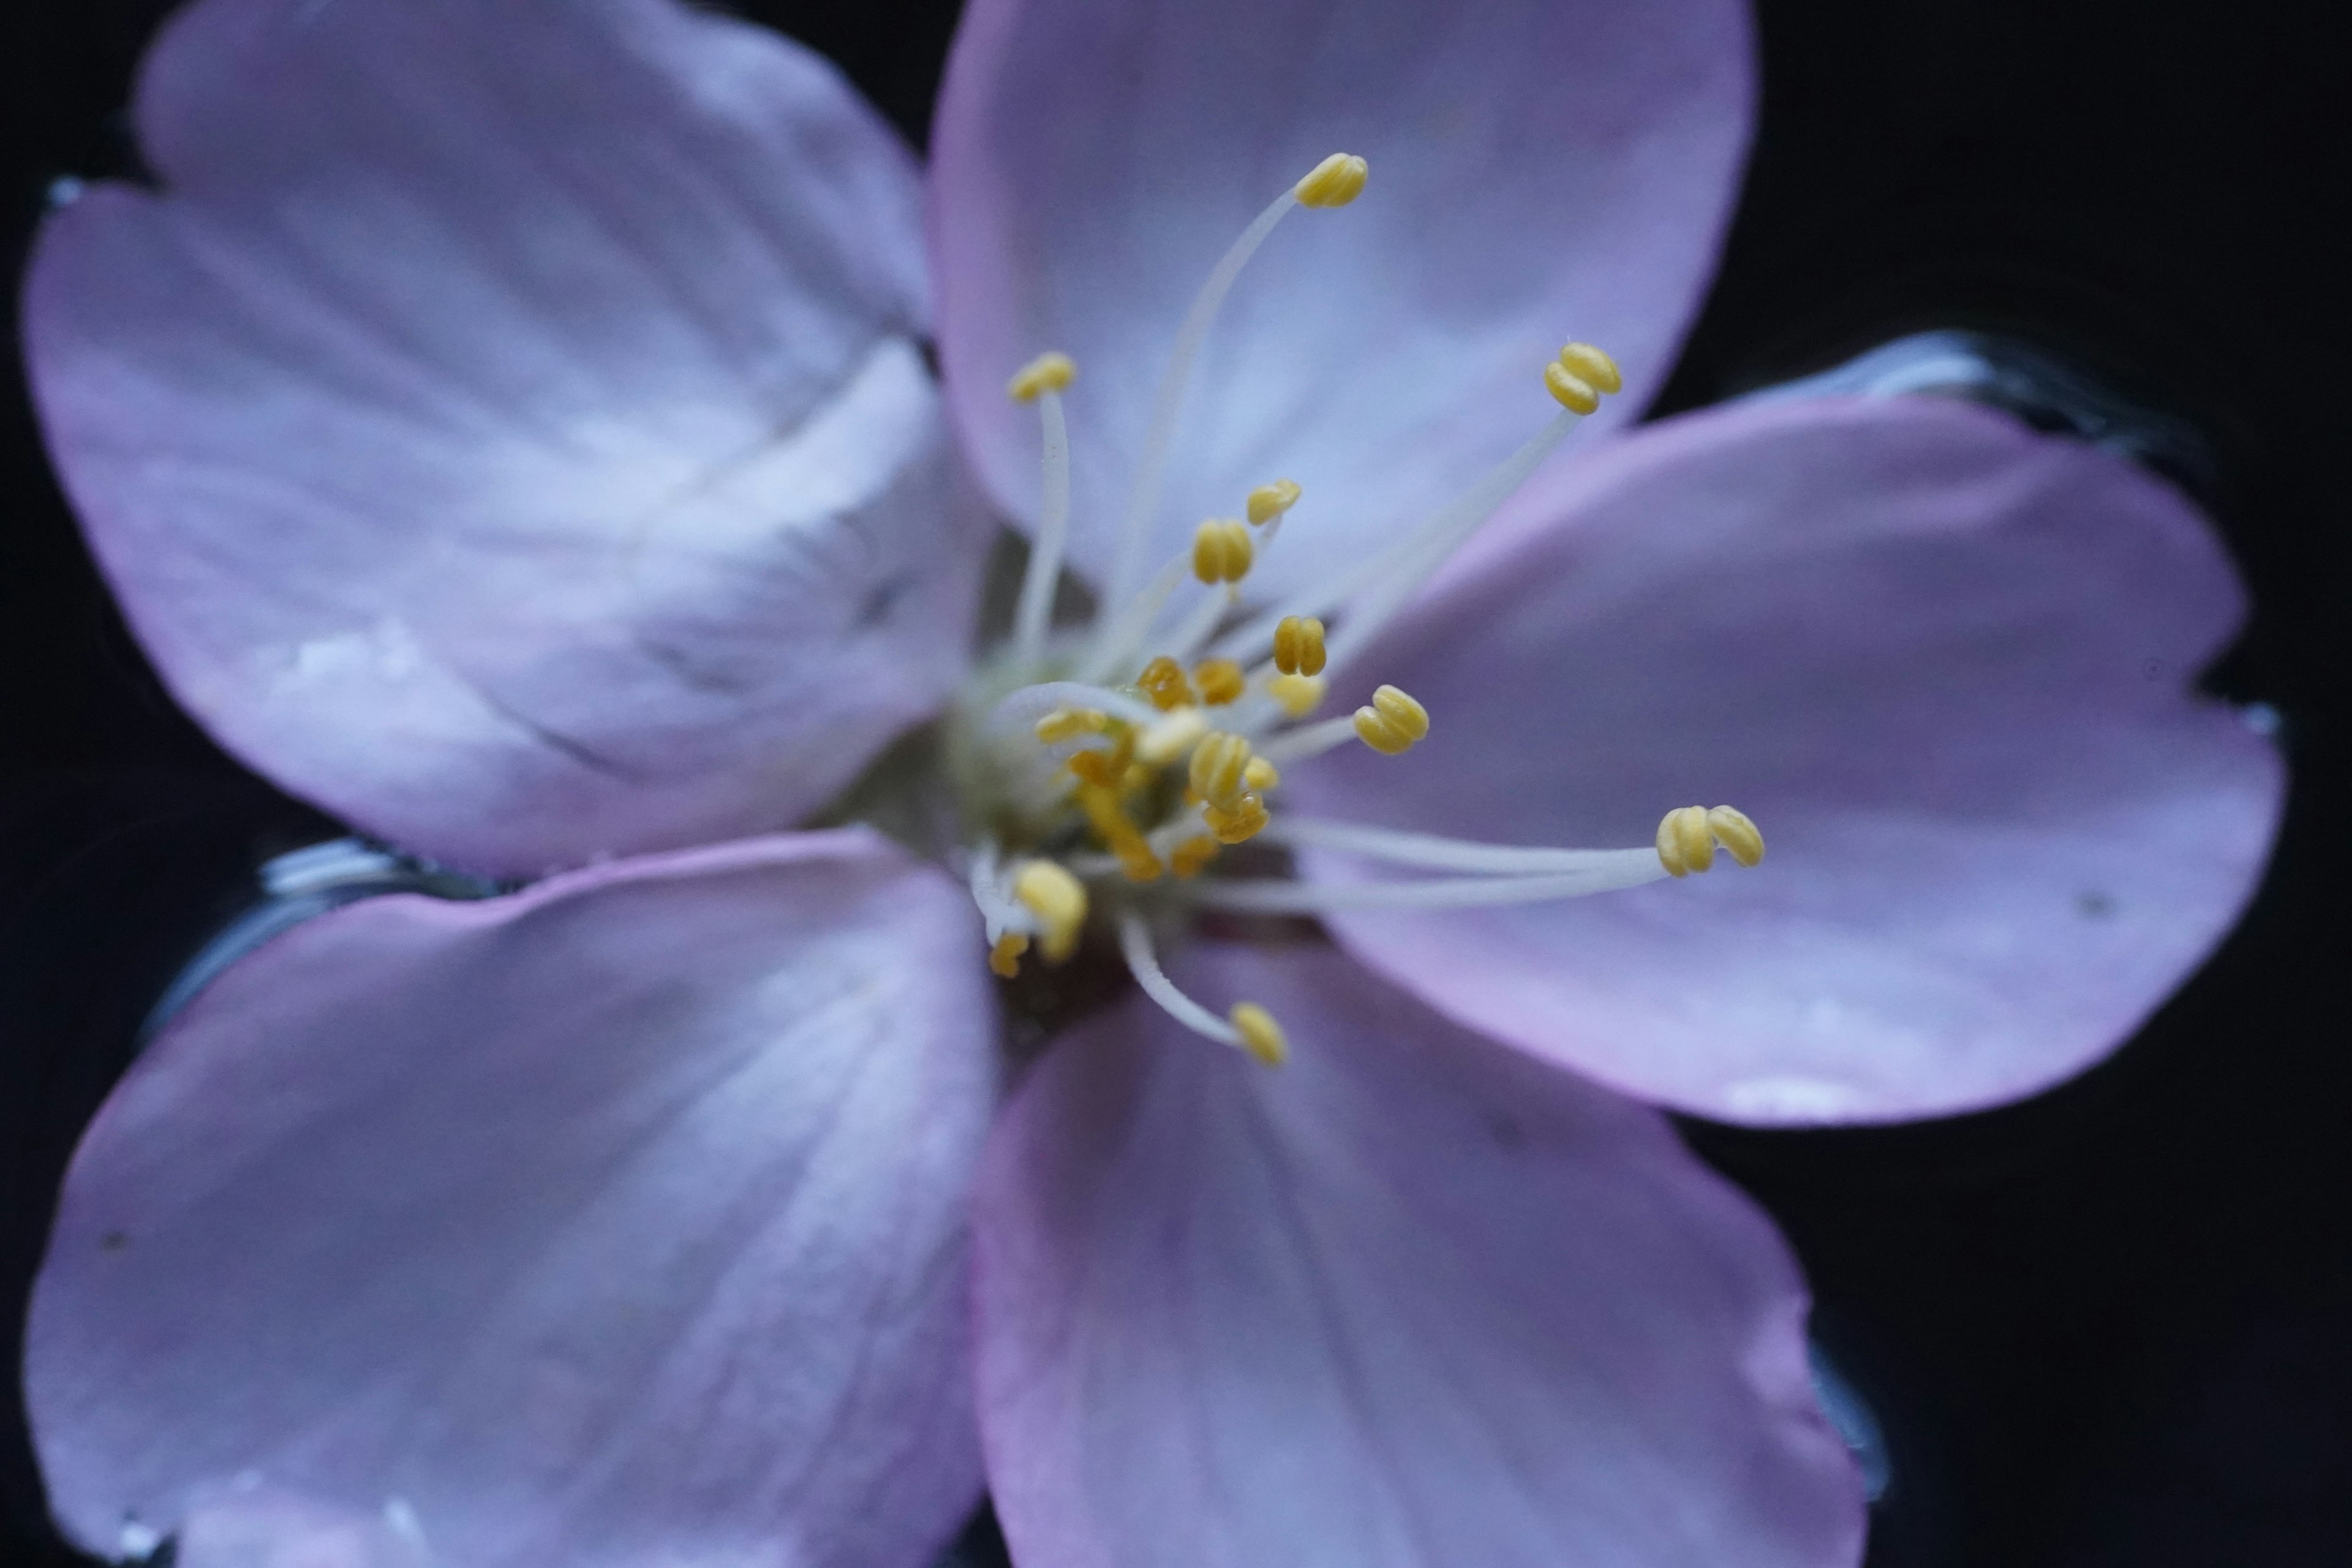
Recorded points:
(1230,550)
(1580,375)
(1163,681)
(1269,501)
(1058,901)
(1298,645)
(1137,862)
(1404,570)
(1687,836)
(1221,682)
(1333,183)
(1047,373)
(1043,380)
(1143,498)
(1390,578)
(1299,695)
(1261,775)
(1393,724)
(1004,957)
(1253,1036)
(1221,551)
(1217,766)
(1435,853)
(1279,896)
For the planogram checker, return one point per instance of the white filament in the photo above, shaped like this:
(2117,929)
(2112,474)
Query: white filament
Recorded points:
(1143,498)
(1621,868)
(1135,944)
(1434,852)
(998,912)
(1388,577)
(1122,635)
(1438,539)
(1194,628)
(1309,741)
(1053,535)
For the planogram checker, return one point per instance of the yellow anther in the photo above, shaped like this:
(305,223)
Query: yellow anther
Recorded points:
(1163,681)
(1298,645)
(1241,823)
(1004,957)
(1046,373)
(1261,775)
(1118,832)
(1187,858)
(1221,682)
(1221,551)
(1136,777)
(1737,834)
(1269,501)
(1688,834)
(1261,1036)
(1218,762)
(1058,901)
(1069,723)
(1105,768)
(1571,390)
(1298,694)
(1686,842)
(1171,736)
(1393,724)
(1333,183)
(1592,367)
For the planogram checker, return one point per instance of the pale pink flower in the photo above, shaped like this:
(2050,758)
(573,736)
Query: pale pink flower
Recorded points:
(509,427)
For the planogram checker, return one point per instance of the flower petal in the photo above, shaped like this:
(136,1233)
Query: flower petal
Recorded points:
(1411,1298)
(1541,169)
(1946,664)
(618,1221)
(257,1527)
(507,427)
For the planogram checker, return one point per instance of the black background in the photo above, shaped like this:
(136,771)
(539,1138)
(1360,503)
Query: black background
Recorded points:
(2110,1326)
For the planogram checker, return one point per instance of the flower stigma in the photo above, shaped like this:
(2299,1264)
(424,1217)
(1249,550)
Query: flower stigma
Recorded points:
(1108,767)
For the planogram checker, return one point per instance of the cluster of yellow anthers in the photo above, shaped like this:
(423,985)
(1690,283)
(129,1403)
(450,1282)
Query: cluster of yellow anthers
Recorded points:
(1174,765)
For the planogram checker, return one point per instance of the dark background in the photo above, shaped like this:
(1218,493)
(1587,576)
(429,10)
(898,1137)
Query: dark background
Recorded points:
(2112,1326)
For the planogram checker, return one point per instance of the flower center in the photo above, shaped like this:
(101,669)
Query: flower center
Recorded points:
(1107,768)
